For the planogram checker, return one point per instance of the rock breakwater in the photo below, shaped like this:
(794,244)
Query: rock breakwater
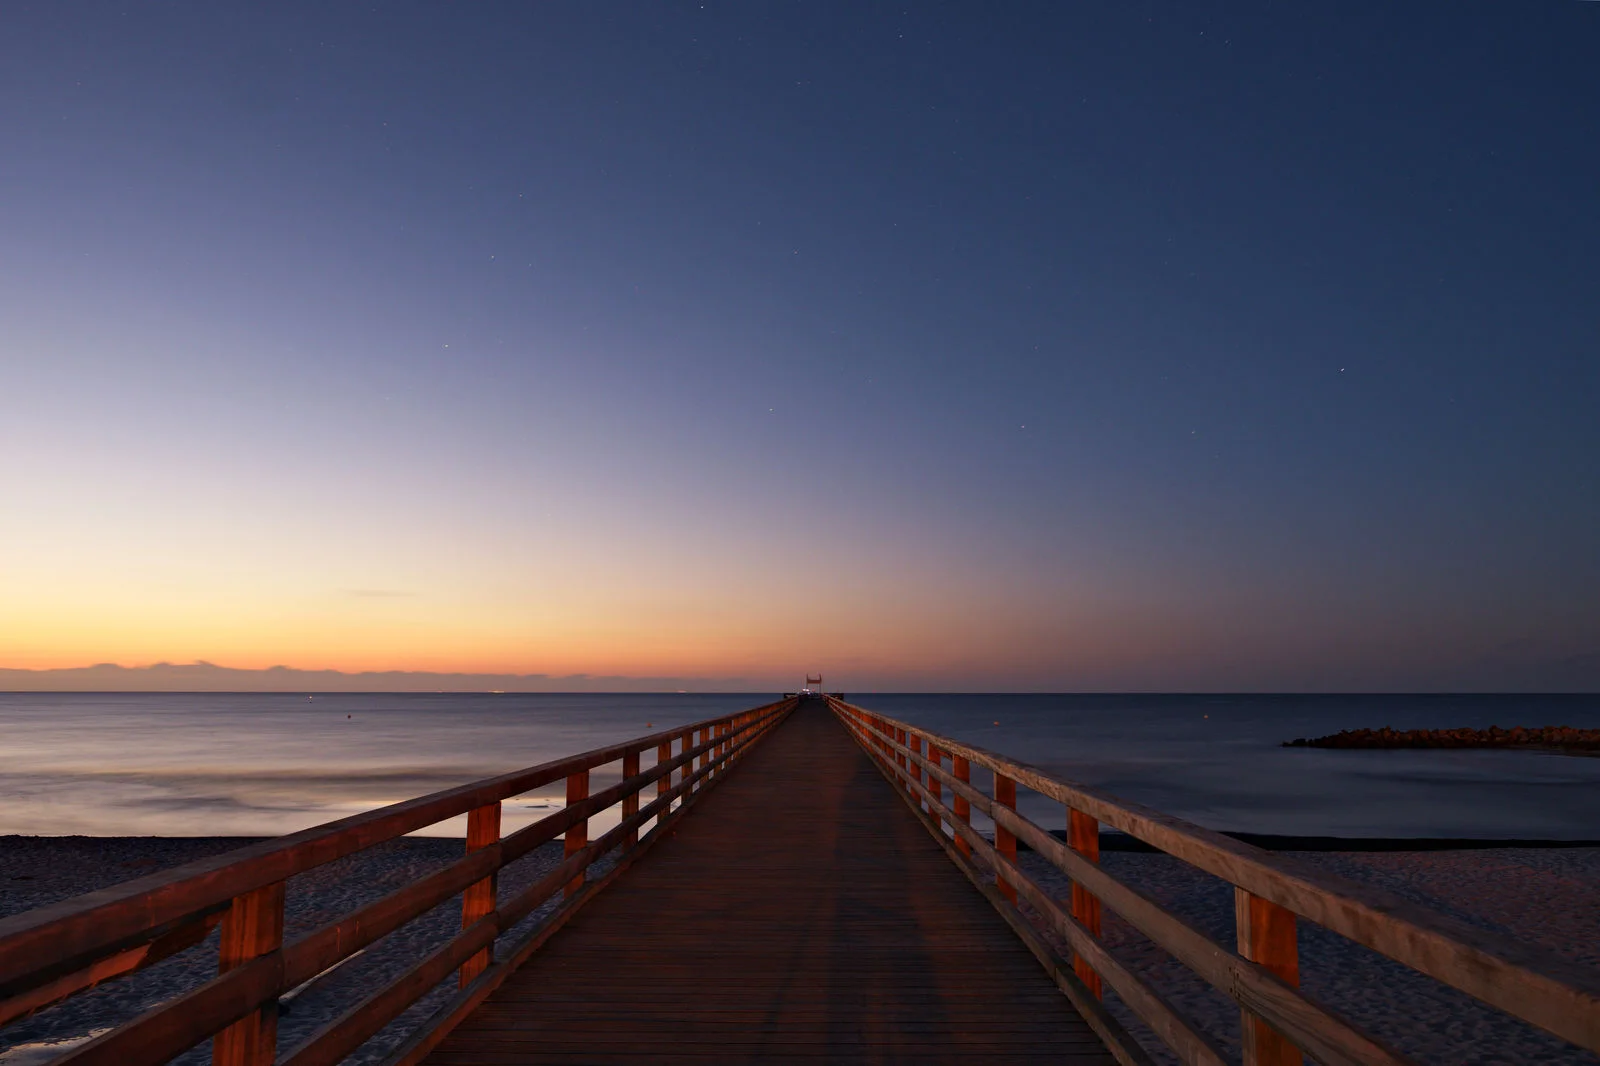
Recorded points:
(1548,738)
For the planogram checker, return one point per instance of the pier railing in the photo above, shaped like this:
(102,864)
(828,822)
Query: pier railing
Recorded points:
(1271,893)
(49,954)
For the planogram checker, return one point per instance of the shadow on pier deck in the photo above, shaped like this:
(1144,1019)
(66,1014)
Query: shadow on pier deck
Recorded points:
(800,911)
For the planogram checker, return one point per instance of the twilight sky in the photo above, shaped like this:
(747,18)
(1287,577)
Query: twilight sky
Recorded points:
(1091,346)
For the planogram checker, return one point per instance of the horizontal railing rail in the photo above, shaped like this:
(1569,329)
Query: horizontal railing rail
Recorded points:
(54,952)
(1279,1022)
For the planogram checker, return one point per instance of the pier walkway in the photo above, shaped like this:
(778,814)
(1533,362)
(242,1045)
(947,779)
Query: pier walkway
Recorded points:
(834,929)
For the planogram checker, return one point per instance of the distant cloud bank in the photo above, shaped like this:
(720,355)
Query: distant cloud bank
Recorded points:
(1509,668)
(209,677)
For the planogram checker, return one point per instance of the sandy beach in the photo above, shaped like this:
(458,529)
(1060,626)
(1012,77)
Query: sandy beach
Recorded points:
(1548,896)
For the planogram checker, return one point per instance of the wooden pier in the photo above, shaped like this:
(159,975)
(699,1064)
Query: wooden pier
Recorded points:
(801,913)
(799,881)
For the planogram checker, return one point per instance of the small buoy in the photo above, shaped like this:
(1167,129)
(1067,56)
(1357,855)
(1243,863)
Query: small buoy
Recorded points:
(349,716)
(649,725)
(997,723)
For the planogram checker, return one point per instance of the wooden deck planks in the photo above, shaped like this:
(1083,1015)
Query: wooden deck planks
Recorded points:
(798,912)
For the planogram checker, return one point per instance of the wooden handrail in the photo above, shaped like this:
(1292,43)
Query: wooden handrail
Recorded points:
(54,952)
(54,940)
(1536,986)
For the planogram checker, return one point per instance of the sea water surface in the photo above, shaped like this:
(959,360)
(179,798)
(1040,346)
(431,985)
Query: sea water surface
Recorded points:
(221,764)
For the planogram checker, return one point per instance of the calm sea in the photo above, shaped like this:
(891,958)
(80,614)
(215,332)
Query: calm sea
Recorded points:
(246,765)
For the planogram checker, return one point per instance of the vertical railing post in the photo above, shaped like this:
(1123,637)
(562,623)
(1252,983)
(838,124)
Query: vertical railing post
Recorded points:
(914,742)
(705,756)
(578,834)
(935,786)
(483,829)
(687,768)
(630,802)
(253,927)
(900,756)
(1005,795)
(1268,938)
(962,769)
(664,782)
(1083,837)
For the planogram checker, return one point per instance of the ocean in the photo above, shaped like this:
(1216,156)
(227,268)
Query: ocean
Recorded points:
(222,764)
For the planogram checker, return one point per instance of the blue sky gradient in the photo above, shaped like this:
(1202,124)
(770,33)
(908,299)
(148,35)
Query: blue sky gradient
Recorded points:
(1093,346)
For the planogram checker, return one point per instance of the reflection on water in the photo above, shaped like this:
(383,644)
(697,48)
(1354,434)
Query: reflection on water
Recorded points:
(252,765)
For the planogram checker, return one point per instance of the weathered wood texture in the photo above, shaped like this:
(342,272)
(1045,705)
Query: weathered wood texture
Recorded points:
(253,928)
(800,912)
(477,902)
(1267,936)
(1083,837)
